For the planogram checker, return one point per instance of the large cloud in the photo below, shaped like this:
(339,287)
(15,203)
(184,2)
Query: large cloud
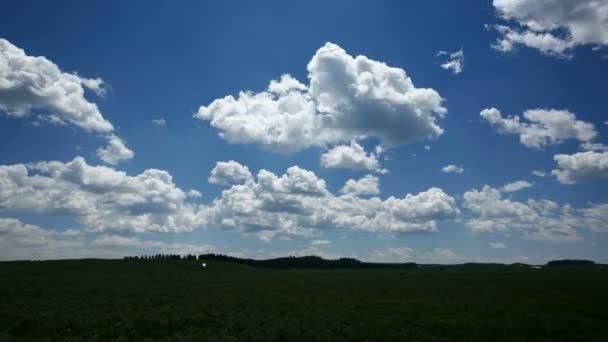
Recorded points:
(351,157)
(299,203)
(347,98)
(554,27)
(543,127)
(580,167)
(99,197)
(35,86)
(536,219)
(19,240)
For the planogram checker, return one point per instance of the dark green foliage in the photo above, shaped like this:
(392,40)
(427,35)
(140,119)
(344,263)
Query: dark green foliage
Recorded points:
(570,262)
(178,300)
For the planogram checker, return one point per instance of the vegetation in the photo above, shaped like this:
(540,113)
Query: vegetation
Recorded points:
(175,299)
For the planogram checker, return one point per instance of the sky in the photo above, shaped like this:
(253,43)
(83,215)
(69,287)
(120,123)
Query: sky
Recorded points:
(391,131)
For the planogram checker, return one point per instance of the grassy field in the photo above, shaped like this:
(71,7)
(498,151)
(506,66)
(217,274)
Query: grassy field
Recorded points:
(173,300)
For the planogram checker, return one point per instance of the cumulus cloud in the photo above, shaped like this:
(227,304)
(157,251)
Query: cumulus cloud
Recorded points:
(115,152)
(99,197)
(139,246)
(229,172)
(455,61)
(351,157)
(367,185)
(436,255)
(536,219)
(452,169)
(543,127)
(35,86)
(516,186)
(553,27)
(498,245)
(581,167)
(19,241)
(30,83)
(298,203)
(347,98)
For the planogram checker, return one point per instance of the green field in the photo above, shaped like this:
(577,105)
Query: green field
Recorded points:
(178,300)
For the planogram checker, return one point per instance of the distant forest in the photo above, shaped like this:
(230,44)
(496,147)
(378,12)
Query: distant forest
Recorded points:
(318,262)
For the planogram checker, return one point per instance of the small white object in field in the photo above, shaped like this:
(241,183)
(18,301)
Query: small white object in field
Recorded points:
(204,265)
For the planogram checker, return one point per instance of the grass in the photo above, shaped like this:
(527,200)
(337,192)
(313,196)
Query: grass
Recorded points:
(172,300)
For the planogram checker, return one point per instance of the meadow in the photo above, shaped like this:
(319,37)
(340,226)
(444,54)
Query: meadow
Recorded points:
(179,300)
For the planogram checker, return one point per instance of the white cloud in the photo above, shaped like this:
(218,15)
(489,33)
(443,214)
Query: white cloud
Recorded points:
(367,185)
(536,219)
(544,127)
(351,157)
(21,241)
(320,242)
(36,86)
(581,167)
(159,122)
(516,186)
(298,203)
(99,197)
(455,62)
(96,85)
(596,217)
(30,83)
(138,246)
(115,152)
(452,169)
(539,173)
(348,98)
(498,245)
(554,27)
(589,146)
(436,255)
(229,172)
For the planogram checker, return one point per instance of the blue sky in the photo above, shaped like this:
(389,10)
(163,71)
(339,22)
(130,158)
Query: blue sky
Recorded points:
(541,70)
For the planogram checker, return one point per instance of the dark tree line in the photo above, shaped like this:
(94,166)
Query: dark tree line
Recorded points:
(286,262)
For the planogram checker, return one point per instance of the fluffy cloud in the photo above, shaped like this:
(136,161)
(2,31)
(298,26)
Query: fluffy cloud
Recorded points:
(368,185)
(537,219)
(452,169)
(36,86)
(299,203)
(30,83)
(554,27)
(347,98)
(229,172)
(115,152)
(138,246)
(351,157)
(405,254)
(20,241)
(455,62)
(544,127)
(515,186)
(296,203)
(581,167)
(100,197)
